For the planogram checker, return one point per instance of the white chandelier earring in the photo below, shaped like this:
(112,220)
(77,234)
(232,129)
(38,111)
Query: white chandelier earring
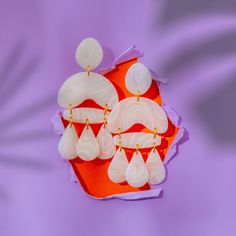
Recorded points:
(105,139)
(119,164)
(74,91)
(68,141)
(138,110)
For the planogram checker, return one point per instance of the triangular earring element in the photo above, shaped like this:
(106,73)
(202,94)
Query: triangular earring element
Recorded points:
(87,147)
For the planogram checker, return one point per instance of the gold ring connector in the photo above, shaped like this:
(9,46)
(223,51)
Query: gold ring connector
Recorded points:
(71,118)
(119,133)
(105,122)
(155,133)
(120,145)
(136,149)
(154,146)
(105,109)
(138,96)
(87,123)
(88,70)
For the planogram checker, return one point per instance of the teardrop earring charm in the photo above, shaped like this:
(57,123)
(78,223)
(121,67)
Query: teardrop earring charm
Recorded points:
(155,167)
(67,144)
(106,143)
(137,172)
(87,147)
(118,166)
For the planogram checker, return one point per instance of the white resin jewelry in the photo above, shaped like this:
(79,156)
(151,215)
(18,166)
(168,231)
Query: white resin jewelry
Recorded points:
(144,140)
(74,91)
(137,172)
(68,142)
(138,79)
(136,110)
(155,167)
(106,143)
(82,114)
(87,147)
(118,166)
(82,86)
(89,53)
(129,111)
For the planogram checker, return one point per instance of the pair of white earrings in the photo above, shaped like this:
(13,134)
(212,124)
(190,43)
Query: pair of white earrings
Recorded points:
(117,117)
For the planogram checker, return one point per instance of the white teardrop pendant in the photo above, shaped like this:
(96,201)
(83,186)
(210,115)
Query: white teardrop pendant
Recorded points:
(137,172)
(106,144)
(155,167)
(87,147)
(67,144)
(118,167)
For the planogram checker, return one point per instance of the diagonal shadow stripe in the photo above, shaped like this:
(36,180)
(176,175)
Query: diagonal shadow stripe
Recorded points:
(217,111)
(177,10)
(10,63)
(26,137)
(4,196)
(215,47)
(24,162)
(18,81)
(23,115)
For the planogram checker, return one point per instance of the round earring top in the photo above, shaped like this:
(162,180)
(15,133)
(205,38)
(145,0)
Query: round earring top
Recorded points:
(138,79)
(89,54)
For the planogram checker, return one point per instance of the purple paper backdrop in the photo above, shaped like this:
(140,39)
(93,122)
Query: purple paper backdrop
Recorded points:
(192,44)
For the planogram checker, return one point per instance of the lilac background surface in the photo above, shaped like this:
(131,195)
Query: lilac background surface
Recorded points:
(191,44)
